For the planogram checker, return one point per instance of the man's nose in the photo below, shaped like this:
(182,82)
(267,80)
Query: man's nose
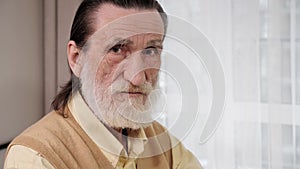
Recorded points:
(135,71)
(138,79)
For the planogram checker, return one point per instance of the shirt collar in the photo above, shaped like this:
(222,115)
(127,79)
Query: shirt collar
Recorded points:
(136,144)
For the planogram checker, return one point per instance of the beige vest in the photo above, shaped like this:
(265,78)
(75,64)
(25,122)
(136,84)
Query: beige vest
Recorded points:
(65,145)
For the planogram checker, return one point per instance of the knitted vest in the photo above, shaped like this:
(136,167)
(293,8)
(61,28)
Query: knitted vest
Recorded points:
(62,142)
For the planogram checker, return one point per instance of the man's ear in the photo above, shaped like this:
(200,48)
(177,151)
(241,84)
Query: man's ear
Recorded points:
(73,58)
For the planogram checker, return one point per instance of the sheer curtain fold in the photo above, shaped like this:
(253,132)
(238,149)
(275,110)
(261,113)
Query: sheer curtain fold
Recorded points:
(259,45)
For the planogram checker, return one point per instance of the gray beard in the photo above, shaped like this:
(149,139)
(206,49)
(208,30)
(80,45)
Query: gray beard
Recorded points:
(116,112)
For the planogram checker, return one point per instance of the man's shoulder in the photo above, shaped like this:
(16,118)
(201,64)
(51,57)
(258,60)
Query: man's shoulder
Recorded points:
(156,128)
(181,157)
(41,134)
(52,126)
(158,125)
(51,121)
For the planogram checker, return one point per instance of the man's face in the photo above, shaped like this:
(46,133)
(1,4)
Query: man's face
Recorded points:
(120,65)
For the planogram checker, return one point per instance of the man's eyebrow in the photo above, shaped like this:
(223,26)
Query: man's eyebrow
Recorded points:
(117,41)
(156,43)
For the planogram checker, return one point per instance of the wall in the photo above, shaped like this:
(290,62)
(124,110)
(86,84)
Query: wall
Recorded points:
(21,66)
(33,63)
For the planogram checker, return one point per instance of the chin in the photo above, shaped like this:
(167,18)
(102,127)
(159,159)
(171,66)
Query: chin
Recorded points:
(124,117)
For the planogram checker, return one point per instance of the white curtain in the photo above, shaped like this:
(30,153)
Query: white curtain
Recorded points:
(259,45)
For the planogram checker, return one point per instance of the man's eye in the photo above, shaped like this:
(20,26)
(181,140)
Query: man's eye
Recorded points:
(150,51)
(118,49)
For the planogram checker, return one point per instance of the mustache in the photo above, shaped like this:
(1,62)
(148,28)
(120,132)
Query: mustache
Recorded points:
(123,86)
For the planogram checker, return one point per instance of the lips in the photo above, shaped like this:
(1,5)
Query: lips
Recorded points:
(134,93)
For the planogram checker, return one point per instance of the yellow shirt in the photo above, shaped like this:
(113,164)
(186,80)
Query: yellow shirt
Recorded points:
(25,158)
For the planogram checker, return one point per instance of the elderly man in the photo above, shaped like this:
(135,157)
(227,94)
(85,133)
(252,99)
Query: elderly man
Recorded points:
(103,117)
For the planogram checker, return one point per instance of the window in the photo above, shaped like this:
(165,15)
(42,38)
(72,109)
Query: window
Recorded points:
(259,46)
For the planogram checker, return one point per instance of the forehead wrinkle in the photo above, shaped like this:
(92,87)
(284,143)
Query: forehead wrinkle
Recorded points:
(108,13)
(130,39)
(144,40)
(128,30)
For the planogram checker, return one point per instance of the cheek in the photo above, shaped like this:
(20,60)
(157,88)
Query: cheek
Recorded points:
(154,67)
(152,75)
(115,58)
(105,73)
(153,62)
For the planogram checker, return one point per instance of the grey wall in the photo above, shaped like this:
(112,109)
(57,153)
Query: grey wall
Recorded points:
(34,36)
(2,153)
(21,66)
